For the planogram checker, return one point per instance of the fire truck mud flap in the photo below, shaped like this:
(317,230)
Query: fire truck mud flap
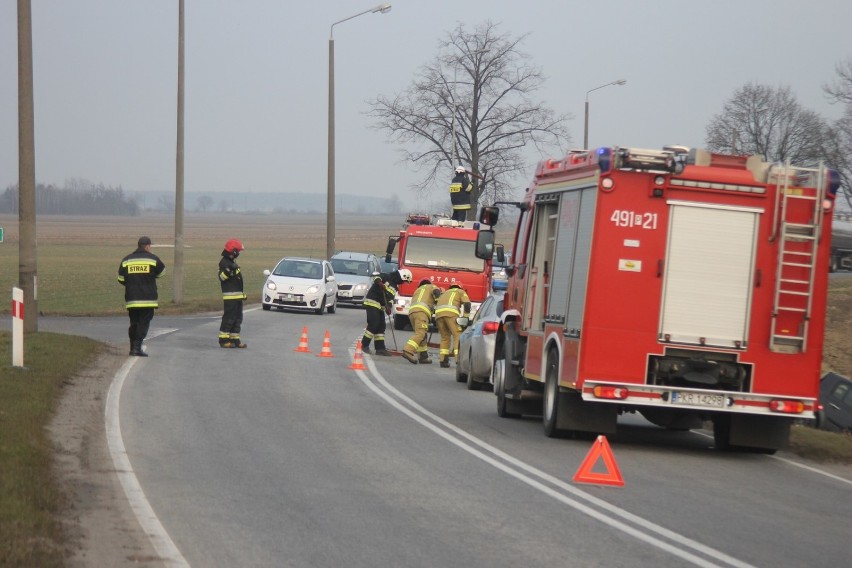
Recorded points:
(763,434)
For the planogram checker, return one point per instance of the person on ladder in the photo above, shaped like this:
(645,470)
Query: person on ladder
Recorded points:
(460,188)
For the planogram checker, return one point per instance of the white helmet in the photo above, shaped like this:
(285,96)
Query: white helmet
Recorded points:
(405,274)
(460,170)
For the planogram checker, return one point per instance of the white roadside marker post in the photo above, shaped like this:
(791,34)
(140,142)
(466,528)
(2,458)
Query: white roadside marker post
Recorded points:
(17,327)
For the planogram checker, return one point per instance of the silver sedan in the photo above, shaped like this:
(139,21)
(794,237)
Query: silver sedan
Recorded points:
(476,344)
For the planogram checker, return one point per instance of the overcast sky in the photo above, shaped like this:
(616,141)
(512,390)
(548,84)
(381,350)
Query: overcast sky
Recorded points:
(257,80)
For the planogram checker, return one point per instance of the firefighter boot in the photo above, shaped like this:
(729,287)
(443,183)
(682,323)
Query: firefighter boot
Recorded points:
(409,357)
(136,349)
(445,362)
(424,358)
(380,349)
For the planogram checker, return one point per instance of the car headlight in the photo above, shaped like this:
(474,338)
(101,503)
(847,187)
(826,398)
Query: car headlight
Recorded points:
(359,287)
(271,285)
(313,289)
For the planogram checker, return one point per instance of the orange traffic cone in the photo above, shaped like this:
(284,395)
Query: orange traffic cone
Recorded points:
(326,346)
(303,342)
(358,360)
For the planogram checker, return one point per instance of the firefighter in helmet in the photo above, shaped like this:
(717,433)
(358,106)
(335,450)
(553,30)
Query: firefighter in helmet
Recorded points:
(460,188)
(451,305)
(377,305)
(420,314)
(231,280)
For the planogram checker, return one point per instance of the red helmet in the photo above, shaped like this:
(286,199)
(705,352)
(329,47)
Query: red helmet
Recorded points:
(234,246)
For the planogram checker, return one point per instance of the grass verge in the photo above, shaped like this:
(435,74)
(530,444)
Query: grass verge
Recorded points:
(30,498)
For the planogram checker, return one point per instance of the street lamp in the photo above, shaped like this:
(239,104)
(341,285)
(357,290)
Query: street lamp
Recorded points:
(586,124)
(329,233)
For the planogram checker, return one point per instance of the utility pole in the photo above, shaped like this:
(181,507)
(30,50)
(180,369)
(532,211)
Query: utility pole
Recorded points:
(27,273)
(178,291)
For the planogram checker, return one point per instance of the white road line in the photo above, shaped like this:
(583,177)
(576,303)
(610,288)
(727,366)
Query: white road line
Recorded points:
(160,539)
(679,540)
(797,464)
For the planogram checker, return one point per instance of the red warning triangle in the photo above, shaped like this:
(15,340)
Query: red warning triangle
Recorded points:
(612,476)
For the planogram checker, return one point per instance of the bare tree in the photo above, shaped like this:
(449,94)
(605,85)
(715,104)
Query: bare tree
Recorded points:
(840,91)
(477,92)
(205,202)
(769,121)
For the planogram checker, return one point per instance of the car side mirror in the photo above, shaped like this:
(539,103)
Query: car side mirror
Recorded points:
(267,272)
(330,278)
(485,245)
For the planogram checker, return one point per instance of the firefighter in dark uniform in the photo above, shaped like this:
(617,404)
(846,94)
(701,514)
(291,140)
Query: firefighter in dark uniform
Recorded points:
(378,304)
(450,305)
(460,188)
(231,279)
(138,273)
(420,314)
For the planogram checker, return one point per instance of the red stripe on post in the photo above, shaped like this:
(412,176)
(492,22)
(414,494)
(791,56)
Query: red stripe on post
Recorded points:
(17,309)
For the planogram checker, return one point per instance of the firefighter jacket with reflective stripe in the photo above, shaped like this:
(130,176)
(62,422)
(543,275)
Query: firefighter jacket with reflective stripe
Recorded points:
(379,295)
(450,303)
(138,274)
(460,189)
(231,278)
(423,300)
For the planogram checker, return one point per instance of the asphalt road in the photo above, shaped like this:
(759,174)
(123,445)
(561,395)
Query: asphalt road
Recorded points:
(269,457)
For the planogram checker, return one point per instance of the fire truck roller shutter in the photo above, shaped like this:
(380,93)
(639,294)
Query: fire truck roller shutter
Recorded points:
(571,258)
(708,275)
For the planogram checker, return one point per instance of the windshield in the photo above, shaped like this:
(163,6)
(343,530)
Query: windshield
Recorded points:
(343,266)
(442,253)
(299,269)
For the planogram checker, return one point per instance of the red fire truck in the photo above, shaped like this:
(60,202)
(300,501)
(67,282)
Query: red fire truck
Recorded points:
(441,250)
(684,285)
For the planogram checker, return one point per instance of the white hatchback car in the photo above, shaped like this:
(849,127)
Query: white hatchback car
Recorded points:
(300,284)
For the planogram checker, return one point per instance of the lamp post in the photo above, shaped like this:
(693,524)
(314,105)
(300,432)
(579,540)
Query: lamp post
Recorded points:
(329,233)
(586,123)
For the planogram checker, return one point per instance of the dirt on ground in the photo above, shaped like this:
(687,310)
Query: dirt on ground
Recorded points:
(99,522)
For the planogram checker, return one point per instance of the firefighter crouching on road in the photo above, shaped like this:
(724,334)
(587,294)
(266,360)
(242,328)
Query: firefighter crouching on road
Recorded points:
(231,279)
(448,308)
(460,188)
(378,304)
(419,314)
(138,273)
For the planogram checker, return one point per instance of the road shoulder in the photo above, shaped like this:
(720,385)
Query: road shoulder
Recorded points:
(98,521)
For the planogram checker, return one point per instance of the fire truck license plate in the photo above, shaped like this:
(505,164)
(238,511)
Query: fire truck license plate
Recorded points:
(698,399)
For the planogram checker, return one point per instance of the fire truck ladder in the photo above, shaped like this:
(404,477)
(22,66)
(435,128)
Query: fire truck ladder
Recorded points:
(801,218)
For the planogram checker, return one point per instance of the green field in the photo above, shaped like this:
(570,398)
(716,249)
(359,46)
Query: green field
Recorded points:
(77,258)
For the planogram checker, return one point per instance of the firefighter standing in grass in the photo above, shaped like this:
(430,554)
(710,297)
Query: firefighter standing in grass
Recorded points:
(420,313)
(460,188)
(138,273)
(231,279)
(450,305)
(377,304)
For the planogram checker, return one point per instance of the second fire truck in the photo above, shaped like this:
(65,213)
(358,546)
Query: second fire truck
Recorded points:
(684,285)
(442,251)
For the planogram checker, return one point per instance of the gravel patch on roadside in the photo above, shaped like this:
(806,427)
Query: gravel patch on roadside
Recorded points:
(98,521)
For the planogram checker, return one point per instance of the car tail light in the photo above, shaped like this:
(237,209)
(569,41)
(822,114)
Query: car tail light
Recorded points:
(787,406)
(490,327)
(601,391)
